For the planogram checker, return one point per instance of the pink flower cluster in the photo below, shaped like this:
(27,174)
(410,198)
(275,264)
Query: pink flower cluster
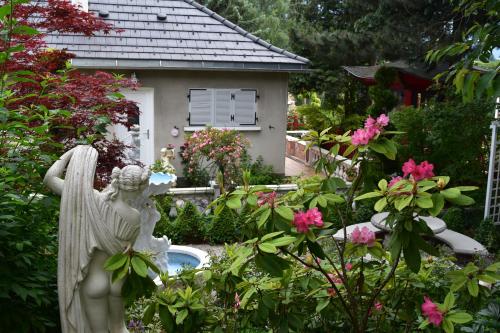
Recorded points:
(431,311)
(364,236)
(418,172)
(268,198)
(395,180)
(303,220)
(373,127)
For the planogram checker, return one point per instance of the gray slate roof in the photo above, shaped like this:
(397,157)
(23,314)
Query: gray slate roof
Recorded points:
(191,37)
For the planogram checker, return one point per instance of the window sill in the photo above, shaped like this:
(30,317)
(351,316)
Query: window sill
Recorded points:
(238,128)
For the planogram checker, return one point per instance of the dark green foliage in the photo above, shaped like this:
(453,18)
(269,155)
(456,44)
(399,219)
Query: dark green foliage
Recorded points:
(268,20)
(260,173)
(335,33)
(164,225)
(223,228)
(28,248)
(488,234)
(187,227)
(383,98)
(455,219)
(453,136)
(364,212)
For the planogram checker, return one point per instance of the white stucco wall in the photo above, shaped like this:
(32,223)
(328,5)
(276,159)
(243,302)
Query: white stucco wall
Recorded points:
(171,107)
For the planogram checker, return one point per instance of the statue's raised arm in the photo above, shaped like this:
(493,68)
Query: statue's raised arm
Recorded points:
(92,227)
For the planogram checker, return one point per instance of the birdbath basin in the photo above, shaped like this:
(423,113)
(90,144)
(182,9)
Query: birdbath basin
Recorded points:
(182,257)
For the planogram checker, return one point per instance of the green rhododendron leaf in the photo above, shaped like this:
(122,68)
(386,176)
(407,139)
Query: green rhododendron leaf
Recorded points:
(248,295)
(271,235)
(268,248)
(271,264)
(447,326)
(412,257)
(466,188)
(313,203)
(380,204)
(122,272)
(473,287)
(323,303)
(368,195)
(234,202)
(316,249)
(115,262)
(403,202)
(459,317)
(252,200)
(438,204)
(139,267)
(284,212)
(449,301)
(424,202)
(462,200)
(423,324)
(451,193)
(333,198)
(382,184)
(264,217)
(283,241)
(322,201)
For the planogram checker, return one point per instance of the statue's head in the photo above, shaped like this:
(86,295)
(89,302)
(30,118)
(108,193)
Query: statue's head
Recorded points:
(129,181)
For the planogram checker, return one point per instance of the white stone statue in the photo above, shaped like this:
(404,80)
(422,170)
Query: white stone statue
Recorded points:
(93,226)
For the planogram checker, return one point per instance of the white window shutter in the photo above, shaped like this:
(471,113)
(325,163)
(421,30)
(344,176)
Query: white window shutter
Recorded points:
(223,108)
(200,107)
(245,107)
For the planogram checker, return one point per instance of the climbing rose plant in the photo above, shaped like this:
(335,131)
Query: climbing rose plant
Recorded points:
(216,150)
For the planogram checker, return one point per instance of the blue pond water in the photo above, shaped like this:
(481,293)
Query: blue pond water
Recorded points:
(177,261)
(159,178)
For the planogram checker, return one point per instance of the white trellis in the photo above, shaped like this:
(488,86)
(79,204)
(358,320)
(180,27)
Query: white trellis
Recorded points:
(492,205)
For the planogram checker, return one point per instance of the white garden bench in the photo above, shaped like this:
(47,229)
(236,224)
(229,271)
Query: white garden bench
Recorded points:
(459,243)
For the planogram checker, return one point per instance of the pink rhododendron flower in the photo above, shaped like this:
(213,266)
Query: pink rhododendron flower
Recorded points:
(394,181)
(382,120)
(266,198)
(431,311)
(372,128)
(378,305)
(364,236)
(360,137)
(348,266)
(302,221)
(418,172)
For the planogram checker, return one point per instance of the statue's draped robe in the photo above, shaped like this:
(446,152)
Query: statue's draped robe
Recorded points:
(86,223)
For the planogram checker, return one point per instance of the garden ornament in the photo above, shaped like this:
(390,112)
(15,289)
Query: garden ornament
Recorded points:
(93,226)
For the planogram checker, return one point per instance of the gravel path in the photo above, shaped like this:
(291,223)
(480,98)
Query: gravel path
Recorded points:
(213,250)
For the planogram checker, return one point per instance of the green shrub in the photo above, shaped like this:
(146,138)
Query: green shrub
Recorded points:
(223,228)
(260,173)
(488,234)
(187,228)
(455,219)
(454,136)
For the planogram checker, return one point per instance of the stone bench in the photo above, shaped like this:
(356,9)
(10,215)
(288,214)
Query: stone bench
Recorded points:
(461,243)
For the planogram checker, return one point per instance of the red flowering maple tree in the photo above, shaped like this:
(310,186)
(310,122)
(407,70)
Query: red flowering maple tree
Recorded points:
(85,102)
